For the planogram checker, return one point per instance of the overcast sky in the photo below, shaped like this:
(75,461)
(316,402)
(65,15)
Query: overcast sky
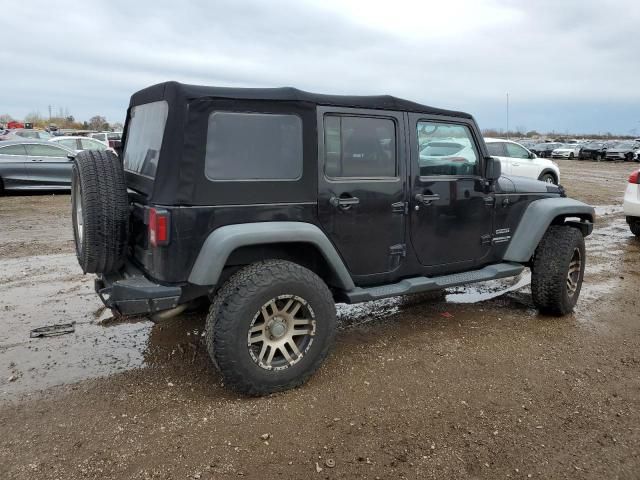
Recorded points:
(567,65)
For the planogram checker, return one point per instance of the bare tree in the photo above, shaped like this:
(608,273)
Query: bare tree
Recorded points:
(33,117)
(98,122)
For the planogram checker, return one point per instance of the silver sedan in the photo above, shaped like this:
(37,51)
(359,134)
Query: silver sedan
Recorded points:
(35,165)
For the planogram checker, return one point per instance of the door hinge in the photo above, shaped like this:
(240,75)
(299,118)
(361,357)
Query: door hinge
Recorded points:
(400,207)
(399,250)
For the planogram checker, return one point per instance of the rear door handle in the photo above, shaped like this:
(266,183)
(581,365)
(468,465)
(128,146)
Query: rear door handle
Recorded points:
(344,203)
(427,199)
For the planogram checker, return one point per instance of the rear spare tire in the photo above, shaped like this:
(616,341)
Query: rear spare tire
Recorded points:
(100,211)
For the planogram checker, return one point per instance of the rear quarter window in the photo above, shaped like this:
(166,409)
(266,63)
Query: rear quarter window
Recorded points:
(253,146)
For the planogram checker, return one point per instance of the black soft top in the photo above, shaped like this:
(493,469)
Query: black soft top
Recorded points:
(180,178)
(183,92)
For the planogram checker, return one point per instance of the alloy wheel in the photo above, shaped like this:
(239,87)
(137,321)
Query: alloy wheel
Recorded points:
(573,275)
(281,332)
(79,220)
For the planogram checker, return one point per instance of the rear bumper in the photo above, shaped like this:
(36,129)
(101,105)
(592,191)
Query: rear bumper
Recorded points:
(129,292)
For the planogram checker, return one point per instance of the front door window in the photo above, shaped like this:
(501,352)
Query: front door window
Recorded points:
(446,149)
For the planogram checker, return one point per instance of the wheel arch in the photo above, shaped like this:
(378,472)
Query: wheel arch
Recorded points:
(550,172)
(236,245)
(539,216)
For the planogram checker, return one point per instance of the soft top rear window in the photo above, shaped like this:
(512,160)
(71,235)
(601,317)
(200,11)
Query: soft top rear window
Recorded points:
(144,137)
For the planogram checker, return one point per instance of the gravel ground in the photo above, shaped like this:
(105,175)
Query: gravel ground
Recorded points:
(473,385)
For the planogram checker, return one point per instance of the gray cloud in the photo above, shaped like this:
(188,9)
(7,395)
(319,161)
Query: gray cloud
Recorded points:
(567,65)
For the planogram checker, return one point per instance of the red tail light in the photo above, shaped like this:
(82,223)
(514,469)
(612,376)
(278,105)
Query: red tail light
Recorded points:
(635,177)
(158,227)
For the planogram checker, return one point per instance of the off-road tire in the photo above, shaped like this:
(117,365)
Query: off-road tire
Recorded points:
(550,267)
(98,182)
(233,310)
(635,228)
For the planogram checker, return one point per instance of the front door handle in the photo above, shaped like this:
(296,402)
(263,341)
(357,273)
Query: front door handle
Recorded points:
(427,199)
(344,202)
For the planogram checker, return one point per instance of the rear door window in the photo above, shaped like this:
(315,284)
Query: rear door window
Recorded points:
(359,147)
(37,150)
(516,151)
(253,146)
(144,137)
(496,149)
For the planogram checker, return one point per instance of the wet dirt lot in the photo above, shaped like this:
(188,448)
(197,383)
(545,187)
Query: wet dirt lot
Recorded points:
(472,385)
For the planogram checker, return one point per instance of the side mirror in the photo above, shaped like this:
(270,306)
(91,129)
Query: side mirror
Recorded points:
(532,155)
(493,169)
(71,156)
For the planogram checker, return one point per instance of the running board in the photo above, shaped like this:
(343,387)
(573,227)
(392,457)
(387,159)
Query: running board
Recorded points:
(424,284)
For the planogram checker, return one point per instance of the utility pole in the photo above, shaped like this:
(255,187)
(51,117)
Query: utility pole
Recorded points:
(507,115)
(49,112)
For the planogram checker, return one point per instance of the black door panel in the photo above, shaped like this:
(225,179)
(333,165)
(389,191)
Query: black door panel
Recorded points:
(361,191)
(449,226)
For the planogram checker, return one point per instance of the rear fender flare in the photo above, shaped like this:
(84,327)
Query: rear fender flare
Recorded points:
(537,218)
(223,241)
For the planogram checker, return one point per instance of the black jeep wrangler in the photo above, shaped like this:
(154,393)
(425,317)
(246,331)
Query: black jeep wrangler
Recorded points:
(274,204)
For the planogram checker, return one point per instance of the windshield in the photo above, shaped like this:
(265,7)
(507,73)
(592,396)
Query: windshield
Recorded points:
(144,137)
(628,145)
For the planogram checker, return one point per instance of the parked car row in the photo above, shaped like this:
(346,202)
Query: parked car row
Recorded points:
(32,159)
(627,151)
(110,139)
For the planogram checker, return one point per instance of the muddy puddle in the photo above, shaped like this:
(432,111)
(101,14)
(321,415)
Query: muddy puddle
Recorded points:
(45,290)
(37,291)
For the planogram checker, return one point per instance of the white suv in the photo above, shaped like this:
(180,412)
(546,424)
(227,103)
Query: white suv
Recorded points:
(632,203)
(517,160)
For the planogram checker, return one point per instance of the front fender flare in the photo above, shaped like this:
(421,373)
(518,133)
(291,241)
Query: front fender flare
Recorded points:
(223,241)
(538,216)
